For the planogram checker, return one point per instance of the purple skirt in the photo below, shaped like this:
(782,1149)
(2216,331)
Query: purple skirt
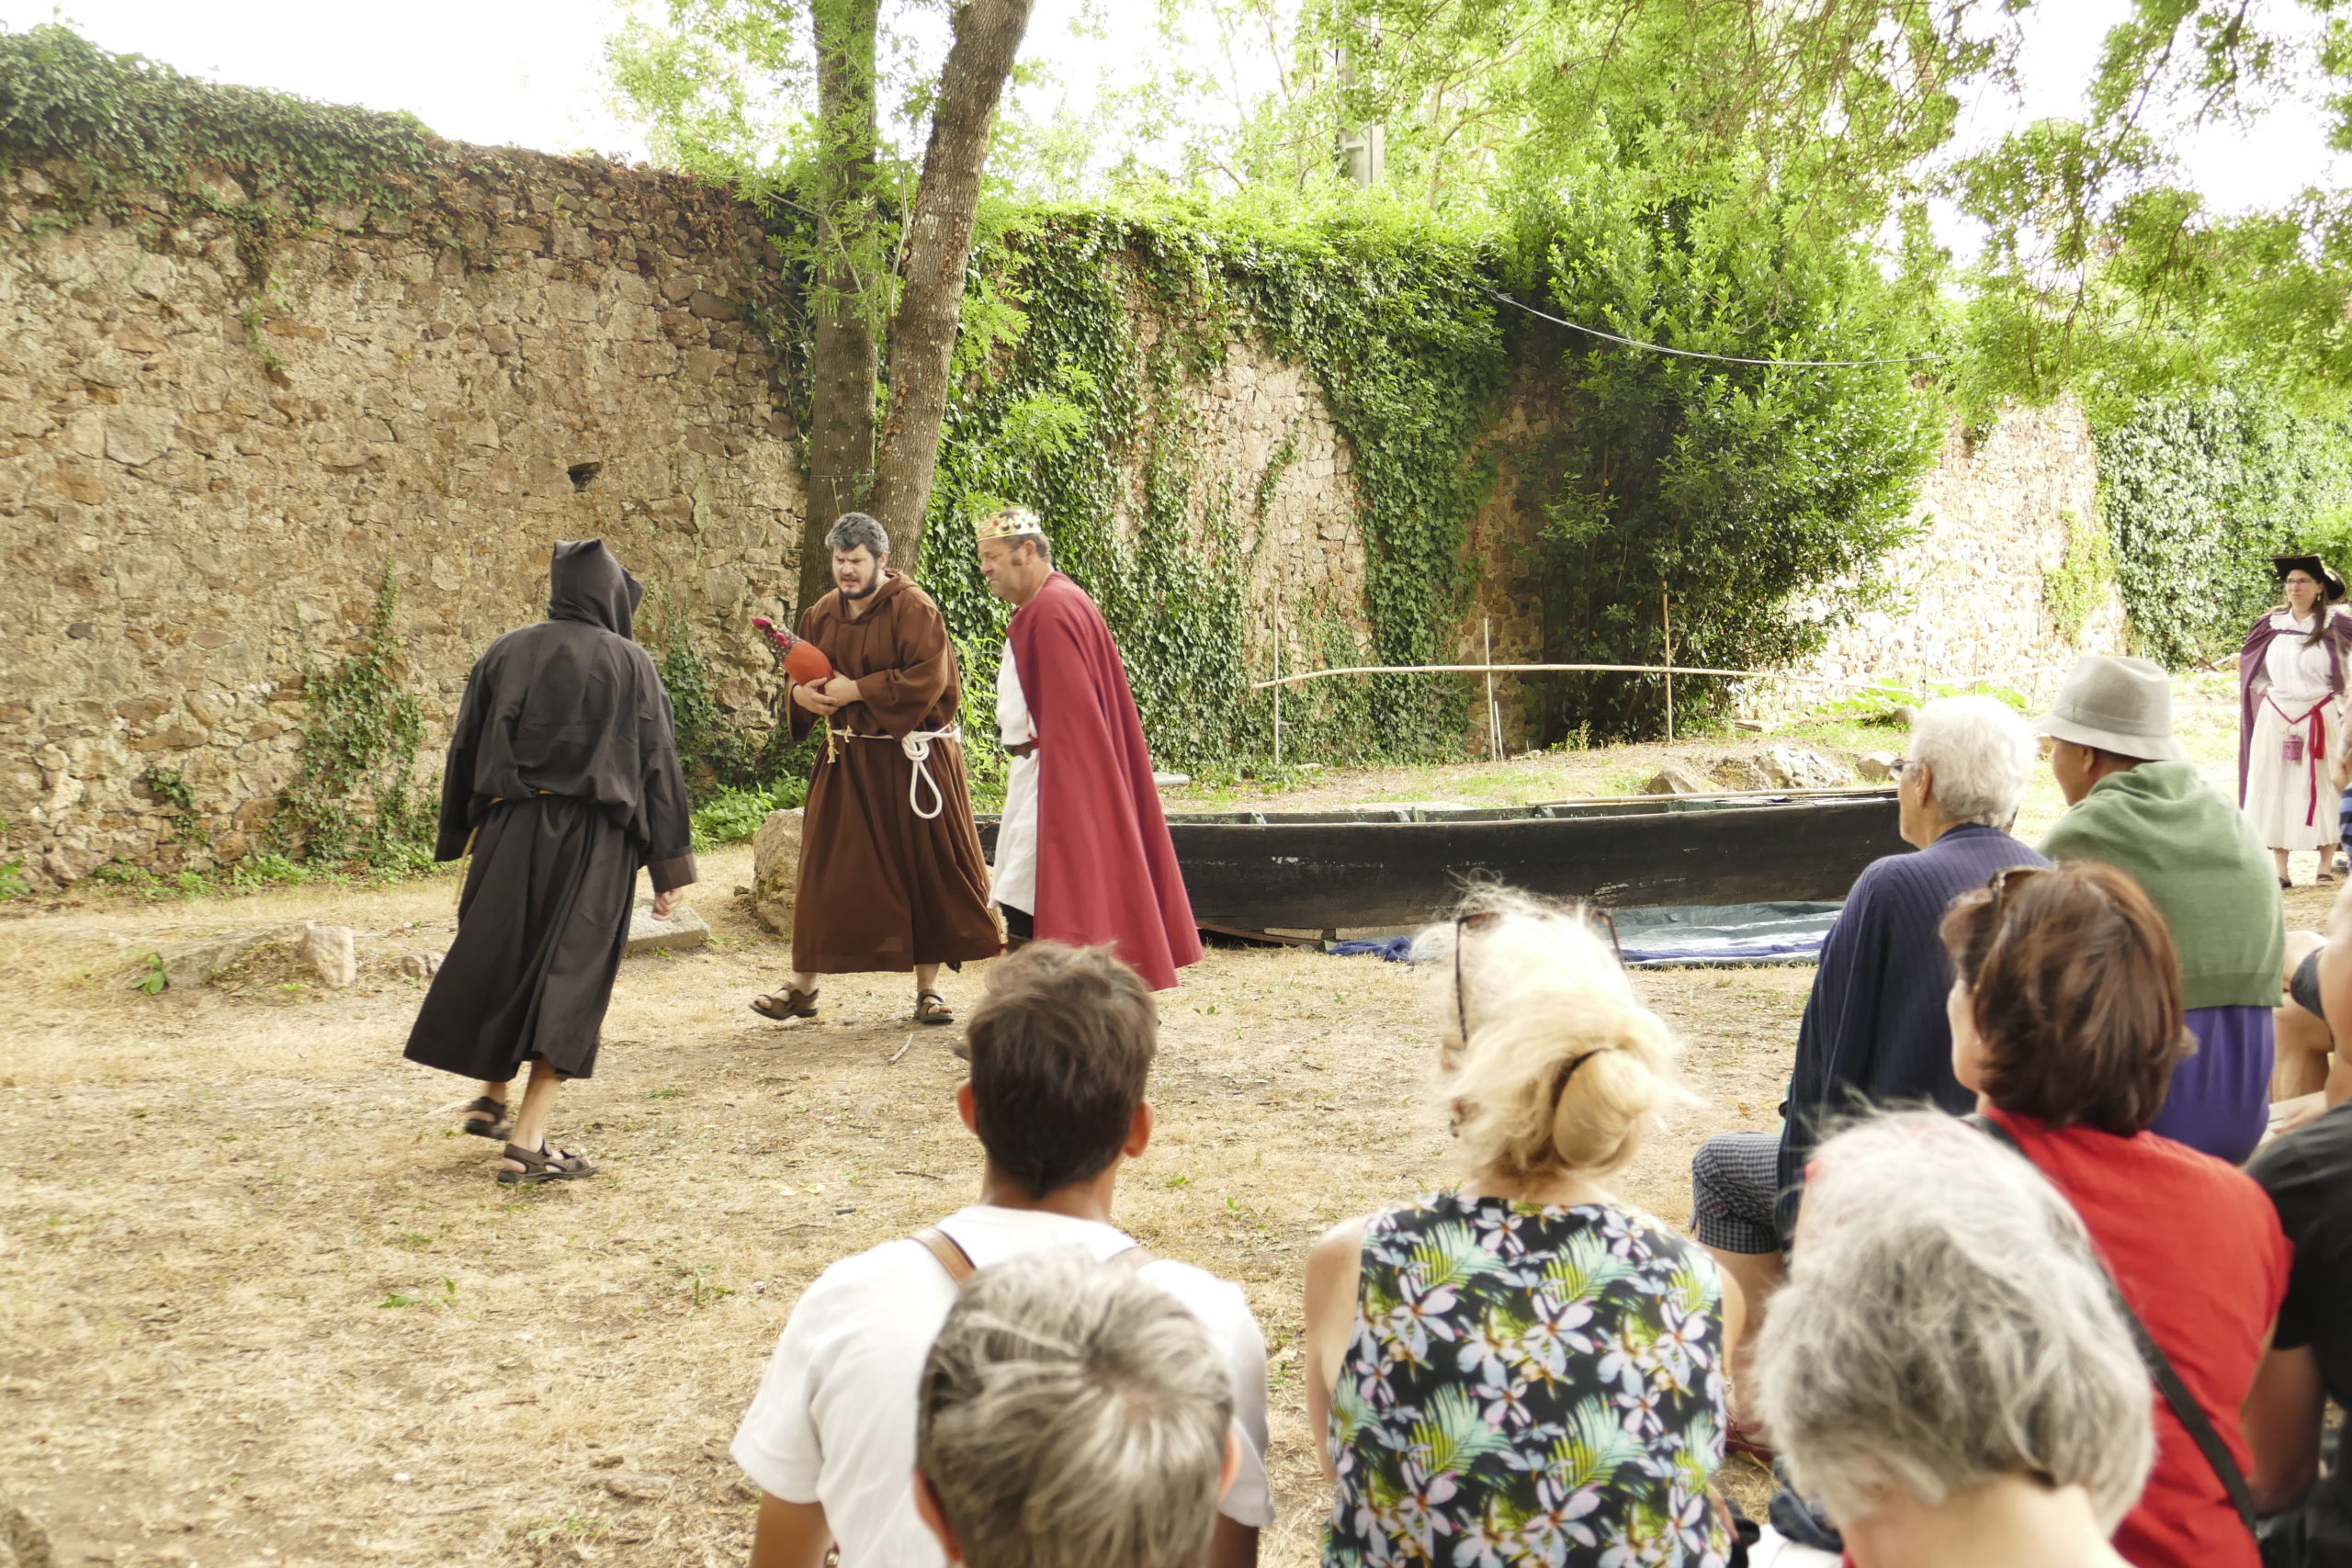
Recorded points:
(2220,1099)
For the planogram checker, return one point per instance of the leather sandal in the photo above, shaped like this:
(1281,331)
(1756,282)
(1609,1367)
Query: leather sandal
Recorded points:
(487,1118)
(932,1008)
(543,1164)
(794,1003)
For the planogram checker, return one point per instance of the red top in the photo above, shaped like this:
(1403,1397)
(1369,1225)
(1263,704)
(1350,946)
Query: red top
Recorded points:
(1106,871)
(2195,1247)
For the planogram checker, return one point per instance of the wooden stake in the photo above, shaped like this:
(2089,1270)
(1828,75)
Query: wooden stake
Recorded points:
(1665,619)
(1278,691)
(1494,718)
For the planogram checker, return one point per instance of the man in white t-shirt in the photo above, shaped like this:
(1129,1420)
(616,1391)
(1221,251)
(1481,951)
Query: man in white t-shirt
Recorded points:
(1060,1050)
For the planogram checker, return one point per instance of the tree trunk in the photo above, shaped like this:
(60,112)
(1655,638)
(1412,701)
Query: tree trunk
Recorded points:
(938,245)
(843,366)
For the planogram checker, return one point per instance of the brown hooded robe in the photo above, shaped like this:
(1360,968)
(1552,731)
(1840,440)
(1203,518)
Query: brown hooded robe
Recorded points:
(564,774)
(882,888)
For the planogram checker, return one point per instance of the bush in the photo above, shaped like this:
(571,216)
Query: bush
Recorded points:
(733,815)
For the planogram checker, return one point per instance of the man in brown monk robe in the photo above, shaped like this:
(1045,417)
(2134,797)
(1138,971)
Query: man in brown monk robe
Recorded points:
(891,877)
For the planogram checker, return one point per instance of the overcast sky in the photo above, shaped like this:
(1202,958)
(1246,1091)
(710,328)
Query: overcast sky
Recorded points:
(531,71)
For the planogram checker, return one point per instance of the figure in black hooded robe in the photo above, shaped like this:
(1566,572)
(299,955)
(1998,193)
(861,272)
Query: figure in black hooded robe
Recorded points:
(563,781)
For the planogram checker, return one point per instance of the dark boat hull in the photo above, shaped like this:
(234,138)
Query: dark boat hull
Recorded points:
(1257,871)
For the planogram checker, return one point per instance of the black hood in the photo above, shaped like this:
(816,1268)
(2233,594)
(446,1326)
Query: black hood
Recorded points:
(585,583)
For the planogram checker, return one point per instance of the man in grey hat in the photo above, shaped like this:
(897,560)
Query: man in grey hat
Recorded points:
(2137,804)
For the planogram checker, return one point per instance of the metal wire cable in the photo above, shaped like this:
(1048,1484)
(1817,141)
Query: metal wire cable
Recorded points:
(1718,358)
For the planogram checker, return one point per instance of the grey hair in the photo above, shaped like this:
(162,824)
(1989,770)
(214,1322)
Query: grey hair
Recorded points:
(1071,1415)
(1563,1067)
(1946,1323)
(1981,754)
(856,528)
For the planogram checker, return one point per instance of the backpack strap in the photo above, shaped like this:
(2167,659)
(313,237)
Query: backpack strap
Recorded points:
(958,1262)
(952,1256)
(2185,1406)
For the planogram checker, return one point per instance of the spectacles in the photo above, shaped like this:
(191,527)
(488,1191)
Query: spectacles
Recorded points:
(2008,877)
(1483,919)
(1898,766)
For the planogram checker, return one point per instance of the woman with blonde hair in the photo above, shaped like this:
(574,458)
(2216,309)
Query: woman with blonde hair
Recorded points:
(1521,1368)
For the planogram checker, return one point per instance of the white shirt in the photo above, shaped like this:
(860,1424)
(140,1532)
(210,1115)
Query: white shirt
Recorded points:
(834,1419)
(1014,881)
(2298,671)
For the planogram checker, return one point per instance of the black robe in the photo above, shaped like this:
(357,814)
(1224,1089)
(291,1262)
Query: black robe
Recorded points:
(564,778)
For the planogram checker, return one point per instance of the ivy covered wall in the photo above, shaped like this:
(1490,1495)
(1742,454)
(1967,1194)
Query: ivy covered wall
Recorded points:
(270,356)
(2199,491)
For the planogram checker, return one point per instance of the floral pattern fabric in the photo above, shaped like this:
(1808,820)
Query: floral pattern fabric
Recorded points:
(1528,1385)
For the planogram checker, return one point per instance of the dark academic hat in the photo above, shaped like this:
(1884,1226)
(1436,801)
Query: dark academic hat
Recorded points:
(2281,564)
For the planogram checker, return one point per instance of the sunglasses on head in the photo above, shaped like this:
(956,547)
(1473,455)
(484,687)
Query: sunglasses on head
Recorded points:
(1483,919)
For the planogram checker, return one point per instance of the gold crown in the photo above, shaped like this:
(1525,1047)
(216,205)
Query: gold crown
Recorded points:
(1012,523)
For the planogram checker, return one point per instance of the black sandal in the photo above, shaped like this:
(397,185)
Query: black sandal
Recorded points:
(487,1118)
(543,1165)
(797,1003)
(932,1008)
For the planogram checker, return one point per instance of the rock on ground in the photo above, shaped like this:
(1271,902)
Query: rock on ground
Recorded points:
(1676,779)
(190,964)
(1876,766)
(775,871)
(682,931)
(23,1544)
(328,950)
(1794,768)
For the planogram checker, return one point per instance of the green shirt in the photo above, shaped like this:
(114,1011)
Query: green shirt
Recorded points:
(2200,863)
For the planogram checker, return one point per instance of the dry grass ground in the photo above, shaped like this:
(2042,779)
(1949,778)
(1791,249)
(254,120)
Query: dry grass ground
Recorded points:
(260,1304)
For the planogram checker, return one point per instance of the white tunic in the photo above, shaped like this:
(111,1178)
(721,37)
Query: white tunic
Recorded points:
(2298,671)
(2292,805)
(1014,885)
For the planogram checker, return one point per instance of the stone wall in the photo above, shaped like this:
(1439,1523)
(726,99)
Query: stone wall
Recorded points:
(1967,597)
(199,491)
(200,495)
(202,481)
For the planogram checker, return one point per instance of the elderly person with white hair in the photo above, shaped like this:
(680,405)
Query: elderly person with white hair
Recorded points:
(1874,1030)
(1073,1415)
(1946,1369)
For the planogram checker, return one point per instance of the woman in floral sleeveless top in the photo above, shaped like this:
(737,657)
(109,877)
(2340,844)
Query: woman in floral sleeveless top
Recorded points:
(1523,1371)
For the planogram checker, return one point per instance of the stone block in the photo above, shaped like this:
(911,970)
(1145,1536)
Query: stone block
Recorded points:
(711,308)
(683,930)
(775,871)
(137,435)
(329,953)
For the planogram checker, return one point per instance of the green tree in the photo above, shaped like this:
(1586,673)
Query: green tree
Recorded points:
(727,86)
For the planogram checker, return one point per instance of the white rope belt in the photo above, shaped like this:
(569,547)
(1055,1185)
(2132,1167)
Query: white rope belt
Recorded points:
(917,746)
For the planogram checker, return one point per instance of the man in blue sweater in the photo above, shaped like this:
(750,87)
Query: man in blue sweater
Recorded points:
(1874,1030)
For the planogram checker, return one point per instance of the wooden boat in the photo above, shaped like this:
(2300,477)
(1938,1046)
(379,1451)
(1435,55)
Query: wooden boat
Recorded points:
(1392,866)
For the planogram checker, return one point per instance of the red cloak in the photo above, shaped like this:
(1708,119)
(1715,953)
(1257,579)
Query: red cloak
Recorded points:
(1106,870)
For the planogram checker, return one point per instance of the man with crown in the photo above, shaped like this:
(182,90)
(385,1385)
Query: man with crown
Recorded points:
(1082,856)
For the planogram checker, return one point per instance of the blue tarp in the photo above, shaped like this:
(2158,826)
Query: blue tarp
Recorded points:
(1683,936)
(1672,936)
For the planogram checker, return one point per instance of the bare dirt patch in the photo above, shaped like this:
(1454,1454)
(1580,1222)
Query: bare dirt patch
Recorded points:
(262,1304)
